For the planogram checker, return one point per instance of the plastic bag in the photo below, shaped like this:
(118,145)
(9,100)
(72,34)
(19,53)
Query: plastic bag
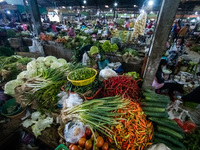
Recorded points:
(107,73)
(69,100)
(175,111)
(74,131)
(159,146)
(36,47)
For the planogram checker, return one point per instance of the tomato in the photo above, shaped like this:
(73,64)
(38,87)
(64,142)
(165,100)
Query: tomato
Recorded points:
(88,144)
(96,148)
(179,122)
(80,148)
(105,146)
(96,135)
(75,147)
(84,136)
(99,142)
(81,142)
(88,132)
(70,147)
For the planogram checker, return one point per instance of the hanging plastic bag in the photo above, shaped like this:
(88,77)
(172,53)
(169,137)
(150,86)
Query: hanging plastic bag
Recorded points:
(74,131)
(36,47)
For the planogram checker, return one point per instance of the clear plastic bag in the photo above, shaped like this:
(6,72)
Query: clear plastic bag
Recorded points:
(69,100)
(74,131)
(107,73)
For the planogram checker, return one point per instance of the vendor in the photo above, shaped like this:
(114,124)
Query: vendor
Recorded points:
(90,58)
(98,25)
(160,83)
(109,36)
(194,96)
(175,52)
(71,33)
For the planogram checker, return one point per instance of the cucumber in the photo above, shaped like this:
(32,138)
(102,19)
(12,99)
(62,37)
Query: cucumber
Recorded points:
(168,138)
(166,120)
(156,114)
(153,109)
(161,121)
(169,132)
(154,104)
(168,144)
(157,99)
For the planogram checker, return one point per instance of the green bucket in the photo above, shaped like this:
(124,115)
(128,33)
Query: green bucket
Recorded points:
(10,108)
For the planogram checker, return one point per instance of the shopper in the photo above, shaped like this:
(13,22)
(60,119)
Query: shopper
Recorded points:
(109,36)
(176,50)
(91,58)
(98,25)
(160,83)
(71,33)
(53,27)
(183,32)
(194,96)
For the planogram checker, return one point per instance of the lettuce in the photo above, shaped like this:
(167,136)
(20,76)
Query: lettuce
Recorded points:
(10,86)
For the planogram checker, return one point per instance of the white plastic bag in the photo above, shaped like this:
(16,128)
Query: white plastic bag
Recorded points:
(159,146)
(69,100)
(107,73)
(74,131)
(36,47)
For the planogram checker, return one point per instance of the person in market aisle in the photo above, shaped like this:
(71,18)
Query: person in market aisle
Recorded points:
(109,35)
(91,58)
(194,96)
(53,27)
(160,83)
(71,32)
(176,50)
(127,25)
(98,25)
(183,32)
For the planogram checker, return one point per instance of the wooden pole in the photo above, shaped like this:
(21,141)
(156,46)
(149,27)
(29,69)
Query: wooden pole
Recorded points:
(165,19)
(35,16)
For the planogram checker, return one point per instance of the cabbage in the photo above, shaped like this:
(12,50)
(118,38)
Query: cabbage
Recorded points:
(62,61)
(27,123)
(32,65)
(40,59)
(55,65)
(49,60)
(36,115)
(10,86)
(41,125)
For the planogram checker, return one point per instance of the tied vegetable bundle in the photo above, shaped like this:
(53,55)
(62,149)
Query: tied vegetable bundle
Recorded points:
(97,113)
(135,132)
(121,85)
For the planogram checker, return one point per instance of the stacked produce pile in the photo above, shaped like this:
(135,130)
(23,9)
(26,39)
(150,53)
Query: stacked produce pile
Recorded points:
(133,131)
(108,47)
(140,25)
(41,82)
(11,66)
(165,130)
(125,86)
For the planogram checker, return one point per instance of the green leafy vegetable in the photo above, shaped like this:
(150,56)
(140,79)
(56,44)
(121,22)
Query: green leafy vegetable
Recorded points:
(82,74)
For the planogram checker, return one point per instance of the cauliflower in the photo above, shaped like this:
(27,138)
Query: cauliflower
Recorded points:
(10,86)
(36,115)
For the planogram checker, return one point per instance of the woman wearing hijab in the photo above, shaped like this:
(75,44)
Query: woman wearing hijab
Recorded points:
(90,58)
(71,33)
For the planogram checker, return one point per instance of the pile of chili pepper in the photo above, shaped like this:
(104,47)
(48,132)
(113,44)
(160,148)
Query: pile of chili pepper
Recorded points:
(121,85)
(133,132)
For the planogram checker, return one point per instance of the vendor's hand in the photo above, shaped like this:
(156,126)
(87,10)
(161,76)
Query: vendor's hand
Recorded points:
(95,67)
